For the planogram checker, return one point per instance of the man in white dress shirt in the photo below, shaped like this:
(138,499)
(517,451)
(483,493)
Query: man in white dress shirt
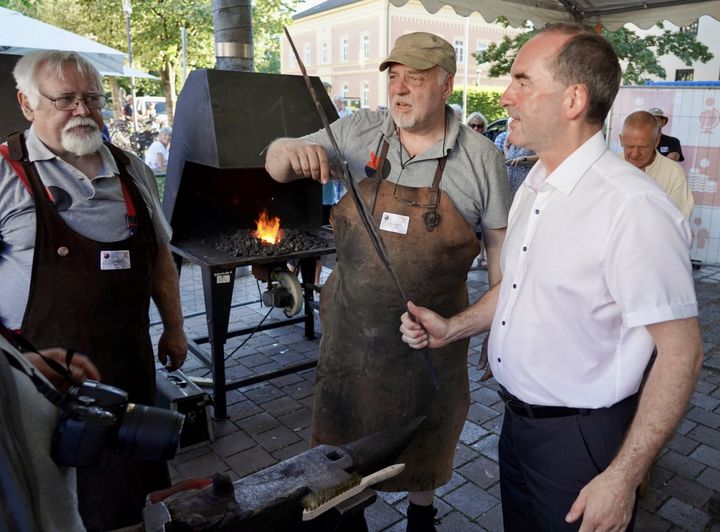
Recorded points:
(595,273)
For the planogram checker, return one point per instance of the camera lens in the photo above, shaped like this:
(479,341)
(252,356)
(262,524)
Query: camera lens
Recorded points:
(149,433)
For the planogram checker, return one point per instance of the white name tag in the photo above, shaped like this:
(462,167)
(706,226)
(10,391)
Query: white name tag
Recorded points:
(117,259)
(395,223)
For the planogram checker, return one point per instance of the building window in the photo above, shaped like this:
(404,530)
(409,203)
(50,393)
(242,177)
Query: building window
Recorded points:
(307,53)
(684,74)
(344,50)
(324,54)
(345,90)
(292,60)
(459,50)
(692,28)
(365,46)
(365,99)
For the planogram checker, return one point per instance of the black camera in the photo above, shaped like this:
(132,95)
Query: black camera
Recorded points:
(97,416)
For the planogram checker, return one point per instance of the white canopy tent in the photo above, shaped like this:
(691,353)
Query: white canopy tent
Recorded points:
(612,14)
(20,35)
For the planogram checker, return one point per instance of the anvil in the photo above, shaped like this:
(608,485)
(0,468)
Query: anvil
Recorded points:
(271,498)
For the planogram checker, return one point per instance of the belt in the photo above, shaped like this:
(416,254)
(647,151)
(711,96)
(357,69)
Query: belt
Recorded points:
(524,409)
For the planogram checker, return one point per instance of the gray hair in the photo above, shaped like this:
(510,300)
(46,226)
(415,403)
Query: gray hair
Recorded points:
(27,68)
(477,116)
(167,130)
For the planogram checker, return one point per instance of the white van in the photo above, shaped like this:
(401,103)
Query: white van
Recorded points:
(142,107)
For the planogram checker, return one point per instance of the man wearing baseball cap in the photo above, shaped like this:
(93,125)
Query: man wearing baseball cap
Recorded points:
(429,181)
(668,146)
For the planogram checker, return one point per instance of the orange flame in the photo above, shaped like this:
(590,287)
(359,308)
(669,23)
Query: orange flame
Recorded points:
(268,229)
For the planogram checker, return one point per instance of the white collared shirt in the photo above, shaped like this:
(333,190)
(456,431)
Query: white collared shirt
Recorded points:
(593,253)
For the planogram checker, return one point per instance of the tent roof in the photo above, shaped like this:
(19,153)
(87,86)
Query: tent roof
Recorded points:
(20,35)
(613,14)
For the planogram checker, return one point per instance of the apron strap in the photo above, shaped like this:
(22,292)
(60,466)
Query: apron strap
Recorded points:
(378,171)
(431,217)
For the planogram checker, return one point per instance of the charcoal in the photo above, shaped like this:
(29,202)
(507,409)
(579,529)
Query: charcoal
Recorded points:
(243,243)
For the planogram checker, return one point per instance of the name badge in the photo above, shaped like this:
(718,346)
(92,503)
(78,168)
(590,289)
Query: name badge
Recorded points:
(394,223)
(117,259)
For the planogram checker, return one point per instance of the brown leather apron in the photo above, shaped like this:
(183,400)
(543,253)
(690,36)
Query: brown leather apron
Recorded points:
(103,314)
(367,378)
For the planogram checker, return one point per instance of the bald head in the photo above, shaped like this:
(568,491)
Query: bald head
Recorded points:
(639,138)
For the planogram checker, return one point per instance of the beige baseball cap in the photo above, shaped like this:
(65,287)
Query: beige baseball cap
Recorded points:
(657,112)
(422,51)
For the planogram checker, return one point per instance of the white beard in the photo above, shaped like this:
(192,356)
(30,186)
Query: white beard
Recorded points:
(81,143)
(405,120)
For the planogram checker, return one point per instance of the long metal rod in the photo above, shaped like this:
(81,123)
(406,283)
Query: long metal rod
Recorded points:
(363,210)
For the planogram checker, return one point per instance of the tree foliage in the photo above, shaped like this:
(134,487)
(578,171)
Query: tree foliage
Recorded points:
(639,55)
(485,101)
(269,17)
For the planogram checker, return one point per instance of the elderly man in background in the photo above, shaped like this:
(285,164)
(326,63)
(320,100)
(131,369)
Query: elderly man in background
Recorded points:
(83,248)
(668,146)
(639,139)
(595,274)
(429,180)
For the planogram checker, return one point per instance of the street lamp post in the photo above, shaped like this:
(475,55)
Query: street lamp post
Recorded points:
(127,9)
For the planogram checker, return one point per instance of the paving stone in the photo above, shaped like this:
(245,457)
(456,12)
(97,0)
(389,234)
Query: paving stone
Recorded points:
(250,461)
(647,522)
(299,390)
(203,466)
(705,387)
(457,522)
(243,410)
(233,443)
(705,435)
(683,515)
(485,396)
(471,433)
(380,515)
(277,438)
(258,423)
(290,451)
(690,492)
(710,478)
(492,520)
(704,401)
(488,446)
(456,480)
(463,455)
(281,406)
(682,445)
(686,425)
(298,419)
(481,414)
(391,497)
(482,472)
(683,465)
(471,500)
(707,455)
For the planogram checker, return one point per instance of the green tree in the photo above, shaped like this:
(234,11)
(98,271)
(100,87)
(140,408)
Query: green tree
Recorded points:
(269,17)
(485,101)
(639,55)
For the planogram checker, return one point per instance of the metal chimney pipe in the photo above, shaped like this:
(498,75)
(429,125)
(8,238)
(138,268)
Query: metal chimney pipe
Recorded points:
(232,20)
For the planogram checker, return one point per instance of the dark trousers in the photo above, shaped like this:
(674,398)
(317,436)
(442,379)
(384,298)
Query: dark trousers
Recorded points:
(544,463)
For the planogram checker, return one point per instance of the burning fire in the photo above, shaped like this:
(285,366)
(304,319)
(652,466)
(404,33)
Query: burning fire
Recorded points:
(268,229)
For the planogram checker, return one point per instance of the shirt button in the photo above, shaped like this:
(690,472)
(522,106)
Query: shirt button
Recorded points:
(499,359)
(502,323)
(524,248)
(537,211)
(514,285)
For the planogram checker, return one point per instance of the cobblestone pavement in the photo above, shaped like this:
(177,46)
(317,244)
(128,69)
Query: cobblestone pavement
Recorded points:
(269,421)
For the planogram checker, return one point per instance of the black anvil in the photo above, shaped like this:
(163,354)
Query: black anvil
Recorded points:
(270,499)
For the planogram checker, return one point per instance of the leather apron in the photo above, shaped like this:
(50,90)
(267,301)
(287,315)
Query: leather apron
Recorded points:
(367,378)
(104,315)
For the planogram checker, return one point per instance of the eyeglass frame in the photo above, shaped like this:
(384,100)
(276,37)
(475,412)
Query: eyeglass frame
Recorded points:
(100,97)
(477,126)
(414,203)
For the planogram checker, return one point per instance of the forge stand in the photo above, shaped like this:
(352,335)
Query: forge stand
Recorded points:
(218,278)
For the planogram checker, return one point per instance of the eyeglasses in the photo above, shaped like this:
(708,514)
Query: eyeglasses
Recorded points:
(69,103)
(480,127)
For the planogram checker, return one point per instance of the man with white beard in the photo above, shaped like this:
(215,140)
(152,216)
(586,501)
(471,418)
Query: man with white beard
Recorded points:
(430,181)
(83,248)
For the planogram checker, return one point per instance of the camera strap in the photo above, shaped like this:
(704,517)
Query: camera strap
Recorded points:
(43,386)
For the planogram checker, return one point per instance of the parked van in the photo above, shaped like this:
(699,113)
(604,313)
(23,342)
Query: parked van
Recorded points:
(145,103)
